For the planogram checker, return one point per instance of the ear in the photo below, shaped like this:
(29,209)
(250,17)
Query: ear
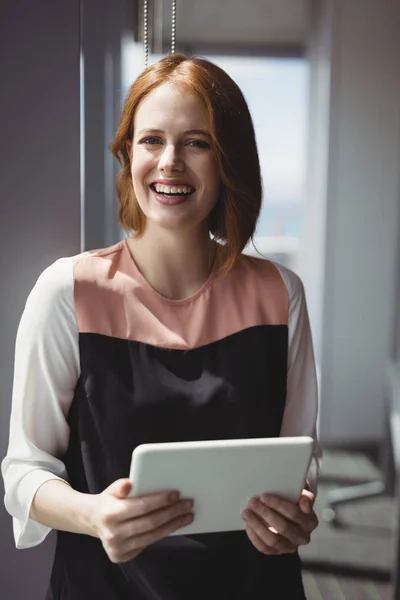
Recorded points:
(128,146)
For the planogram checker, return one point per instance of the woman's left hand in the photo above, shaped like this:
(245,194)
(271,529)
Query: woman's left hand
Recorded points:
(277,526)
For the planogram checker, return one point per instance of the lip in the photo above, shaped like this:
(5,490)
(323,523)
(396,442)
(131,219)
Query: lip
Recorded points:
(169,200)
(172,183)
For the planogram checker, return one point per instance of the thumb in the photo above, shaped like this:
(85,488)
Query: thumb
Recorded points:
(307,500)
(120,488)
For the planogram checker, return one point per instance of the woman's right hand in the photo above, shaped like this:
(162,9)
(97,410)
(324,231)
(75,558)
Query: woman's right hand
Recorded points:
(126,526)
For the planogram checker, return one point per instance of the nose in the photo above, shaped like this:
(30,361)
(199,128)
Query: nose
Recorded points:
(170,160)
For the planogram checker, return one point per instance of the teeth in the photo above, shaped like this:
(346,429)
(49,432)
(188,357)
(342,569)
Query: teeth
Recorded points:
(166,189)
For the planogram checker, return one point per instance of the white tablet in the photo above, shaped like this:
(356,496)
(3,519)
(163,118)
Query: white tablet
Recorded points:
(221,476)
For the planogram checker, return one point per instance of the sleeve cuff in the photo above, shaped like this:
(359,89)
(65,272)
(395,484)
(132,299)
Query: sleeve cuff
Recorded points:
(27,532)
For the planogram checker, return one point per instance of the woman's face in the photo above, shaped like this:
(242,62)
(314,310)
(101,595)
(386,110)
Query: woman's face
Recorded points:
(174,170)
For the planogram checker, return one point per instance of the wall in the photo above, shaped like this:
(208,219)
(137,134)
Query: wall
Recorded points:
(361,219)
(105,24)
(40,204)
(312,251)
(61,102)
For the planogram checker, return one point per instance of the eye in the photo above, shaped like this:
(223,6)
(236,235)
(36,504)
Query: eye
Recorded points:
(150,140)
(198,144)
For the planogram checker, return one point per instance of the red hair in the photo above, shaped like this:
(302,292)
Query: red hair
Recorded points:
(233,220)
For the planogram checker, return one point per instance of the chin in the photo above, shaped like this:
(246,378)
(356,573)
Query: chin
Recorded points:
(177,225)
(160,219)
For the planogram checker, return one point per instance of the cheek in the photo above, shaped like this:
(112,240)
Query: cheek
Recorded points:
(208,170)
(140,167)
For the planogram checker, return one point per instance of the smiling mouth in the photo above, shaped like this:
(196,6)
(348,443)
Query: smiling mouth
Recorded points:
(175,194)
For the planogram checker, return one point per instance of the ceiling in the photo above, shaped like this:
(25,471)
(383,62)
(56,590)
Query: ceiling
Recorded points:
(243,25)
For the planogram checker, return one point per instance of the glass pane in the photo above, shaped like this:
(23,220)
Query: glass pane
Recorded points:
(276,90)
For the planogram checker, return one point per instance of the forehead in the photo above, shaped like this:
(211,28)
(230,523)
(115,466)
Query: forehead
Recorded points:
(171,106)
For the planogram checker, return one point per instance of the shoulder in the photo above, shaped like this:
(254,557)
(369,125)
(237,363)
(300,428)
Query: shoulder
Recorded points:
(263,268)
(49,308)
(292,281)
(54,285)
(97,264)
(53,291)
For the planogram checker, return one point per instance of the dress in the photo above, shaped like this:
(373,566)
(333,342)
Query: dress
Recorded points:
(104,363)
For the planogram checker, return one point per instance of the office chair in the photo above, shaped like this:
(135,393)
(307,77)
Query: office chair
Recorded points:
(369,489)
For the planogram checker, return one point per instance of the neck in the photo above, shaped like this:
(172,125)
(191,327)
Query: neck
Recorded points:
(176,264)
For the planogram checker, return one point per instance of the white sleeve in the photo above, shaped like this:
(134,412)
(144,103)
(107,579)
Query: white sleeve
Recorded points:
(46,371)
(301,410)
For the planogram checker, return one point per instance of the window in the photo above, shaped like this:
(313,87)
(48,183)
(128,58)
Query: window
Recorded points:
(276,91)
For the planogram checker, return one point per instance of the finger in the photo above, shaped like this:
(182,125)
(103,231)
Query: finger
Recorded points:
(273,540)
(291,511)
(284,527)
(119,488)
(308,494)
(156,519)
(258,542)
(145,539)
(287,509)
(306,501)
(142,505)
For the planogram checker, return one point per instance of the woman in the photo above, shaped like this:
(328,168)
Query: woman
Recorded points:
(171,334)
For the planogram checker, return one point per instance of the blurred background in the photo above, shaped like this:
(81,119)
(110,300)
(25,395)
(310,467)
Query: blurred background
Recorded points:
(322,80)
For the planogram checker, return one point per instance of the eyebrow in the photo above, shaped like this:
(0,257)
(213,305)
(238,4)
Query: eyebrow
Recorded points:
(186,132)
